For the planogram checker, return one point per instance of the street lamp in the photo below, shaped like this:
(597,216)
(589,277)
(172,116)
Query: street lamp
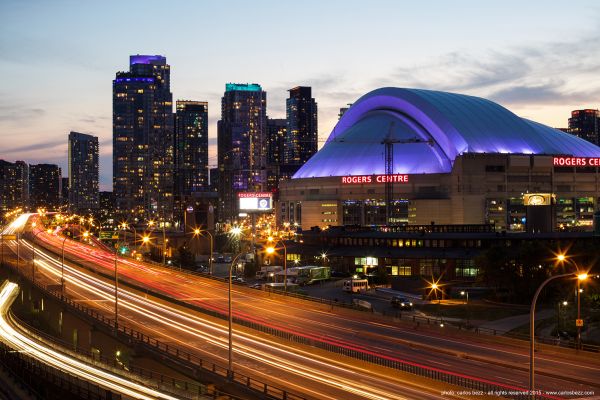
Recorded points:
(197,232)
(62,265)
(33,256)
(230,328)
(466,293)
(580,277)
(271,250)
(435,287)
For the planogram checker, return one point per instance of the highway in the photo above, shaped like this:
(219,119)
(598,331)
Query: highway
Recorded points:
(42,352)
(477,356)
(297,368)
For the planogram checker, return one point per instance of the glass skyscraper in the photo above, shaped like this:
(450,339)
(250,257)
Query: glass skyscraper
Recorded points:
(143,154)
(191,147)
(242,144)
(302,134)
(83,172)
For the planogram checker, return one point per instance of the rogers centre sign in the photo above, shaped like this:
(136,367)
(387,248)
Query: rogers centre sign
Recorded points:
(358,179)
(576,161)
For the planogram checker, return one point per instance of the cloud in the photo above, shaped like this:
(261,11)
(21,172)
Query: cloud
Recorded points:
(37,146)
(547,73)
(18,113)
(542,94)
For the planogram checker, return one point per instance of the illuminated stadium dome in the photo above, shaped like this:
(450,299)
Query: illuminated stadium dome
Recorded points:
(443,125)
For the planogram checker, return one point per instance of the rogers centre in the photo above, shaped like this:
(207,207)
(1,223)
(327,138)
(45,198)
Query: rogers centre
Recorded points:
(457,159)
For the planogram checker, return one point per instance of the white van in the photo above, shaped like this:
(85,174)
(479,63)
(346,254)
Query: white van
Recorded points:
(356,285)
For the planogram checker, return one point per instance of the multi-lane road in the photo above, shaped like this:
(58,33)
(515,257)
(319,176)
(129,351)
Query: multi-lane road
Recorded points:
(311,372)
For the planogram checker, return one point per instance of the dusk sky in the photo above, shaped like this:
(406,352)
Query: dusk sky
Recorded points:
(540,59)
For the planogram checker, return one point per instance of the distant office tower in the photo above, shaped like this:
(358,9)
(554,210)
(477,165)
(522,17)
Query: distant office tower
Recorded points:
(107,204)
(191,147)
(143,138)
(83,172)
(242,144)
(45,183)
(343,111)
(302,136)
(14,185)
(276,133)
(585,124)
(64,190)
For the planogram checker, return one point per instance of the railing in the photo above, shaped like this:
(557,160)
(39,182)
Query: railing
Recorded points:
(49,383)
(357,352)
(161,382)
(193,362)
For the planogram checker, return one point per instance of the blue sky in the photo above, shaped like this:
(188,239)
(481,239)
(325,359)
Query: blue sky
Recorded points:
(540,59)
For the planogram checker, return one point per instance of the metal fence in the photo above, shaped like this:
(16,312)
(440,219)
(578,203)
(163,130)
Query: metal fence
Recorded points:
(48,383)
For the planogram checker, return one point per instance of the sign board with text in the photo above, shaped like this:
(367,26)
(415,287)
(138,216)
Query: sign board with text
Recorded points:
(576,161)
(578,322)
(366,179)
(255,201)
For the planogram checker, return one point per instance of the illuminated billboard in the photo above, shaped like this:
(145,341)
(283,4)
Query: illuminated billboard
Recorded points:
(538,199)
(255,201)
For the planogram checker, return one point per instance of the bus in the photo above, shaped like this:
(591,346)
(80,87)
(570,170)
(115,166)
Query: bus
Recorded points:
(356,285)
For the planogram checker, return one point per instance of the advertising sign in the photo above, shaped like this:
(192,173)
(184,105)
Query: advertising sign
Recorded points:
(537,199)
(255,201)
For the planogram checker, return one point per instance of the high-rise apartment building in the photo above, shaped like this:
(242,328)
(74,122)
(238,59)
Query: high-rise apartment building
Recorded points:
(14,185)
(83,172)
(191,147)
(302,134)
(45,186)
(585,124)
(242,144)
(143,138)
(276,133)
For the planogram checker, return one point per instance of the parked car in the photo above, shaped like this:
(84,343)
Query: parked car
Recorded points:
(402,303)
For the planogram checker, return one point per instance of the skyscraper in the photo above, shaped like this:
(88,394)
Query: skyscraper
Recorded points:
(242,145)
(45,186)
(143,137)
(585,124)
(83,172)
(191,147)
(302,135)
(276,133)
(14,185)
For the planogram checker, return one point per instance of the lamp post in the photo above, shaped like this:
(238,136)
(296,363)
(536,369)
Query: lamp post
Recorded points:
(271,250)
(62,264)
(563,258)
(466,293)
(33,256)
(197,232)
(435,287)
(230,329)
(580,277)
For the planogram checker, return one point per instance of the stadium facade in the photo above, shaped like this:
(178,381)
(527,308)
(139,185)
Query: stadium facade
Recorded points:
(444,158)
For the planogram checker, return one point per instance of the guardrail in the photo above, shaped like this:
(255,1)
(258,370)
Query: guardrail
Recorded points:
(153,345)
(162,382)
(335,346)
(49,383)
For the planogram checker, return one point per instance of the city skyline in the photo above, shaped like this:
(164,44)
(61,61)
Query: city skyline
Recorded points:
(465,48)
